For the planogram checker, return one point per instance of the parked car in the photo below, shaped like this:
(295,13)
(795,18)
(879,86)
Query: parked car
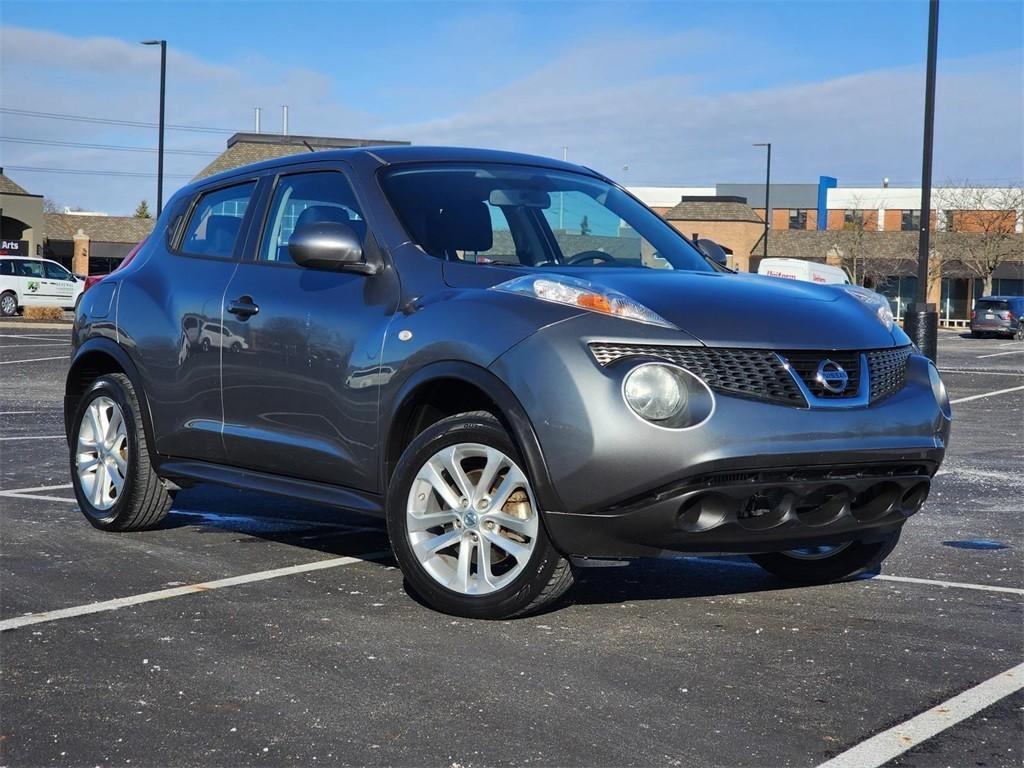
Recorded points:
(29,282)
(432,341)
(92,280)
(998,315)
(799,269)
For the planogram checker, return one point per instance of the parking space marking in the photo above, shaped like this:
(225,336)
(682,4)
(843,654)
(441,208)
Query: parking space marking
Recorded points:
(887,745)
(26,346)
(1018,374)
(30,336)
(16,491)
(1000,354)
(35,437)
(33,360)
(953,584)
(19,413)
(985,394)
(876,577)
(191,589)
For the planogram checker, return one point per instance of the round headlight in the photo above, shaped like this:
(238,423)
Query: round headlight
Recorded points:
(656,392)
(939,390)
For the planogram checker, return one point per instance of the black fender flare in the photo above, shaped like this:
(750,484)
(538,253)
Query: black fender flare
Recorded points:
(511,411)
(104,346)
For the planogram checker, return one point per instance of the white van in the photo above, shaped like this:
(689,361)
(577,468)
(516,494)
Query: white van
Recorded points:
(28,282)
(798,269)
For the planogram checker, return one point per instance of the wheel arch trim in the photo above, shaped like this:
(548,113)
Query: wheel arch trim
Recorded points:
(511,411)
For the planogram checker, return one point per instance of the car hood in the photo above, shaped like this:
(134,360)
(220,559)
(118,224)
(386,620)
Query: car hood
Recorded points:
(740,310)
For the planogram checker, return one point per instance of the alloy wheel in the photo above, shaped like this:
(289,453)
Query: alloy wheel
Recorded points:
(8,306)
(101,456)
(471,518)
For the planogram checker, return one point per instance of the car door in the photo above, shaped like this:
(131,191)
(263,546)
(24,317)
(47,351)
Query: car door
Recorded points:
(301,373)
(30,282)
(59,284)
(165,311)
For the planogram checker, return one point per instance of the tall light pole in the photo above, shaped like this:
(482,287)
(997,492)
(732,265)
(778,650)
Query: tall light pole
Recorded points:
(561,195)
(922,322)
(160,147)
(767,194)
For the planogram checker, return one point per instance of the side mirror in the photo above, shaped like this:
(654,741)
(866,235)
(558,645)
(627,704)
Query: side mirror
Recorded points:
(713,251)
(328,245)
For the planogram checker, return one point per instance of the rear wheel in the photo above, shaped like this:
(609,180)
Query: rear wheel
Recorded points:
(1019,335)
(114,482)
(465,525)
(825,564)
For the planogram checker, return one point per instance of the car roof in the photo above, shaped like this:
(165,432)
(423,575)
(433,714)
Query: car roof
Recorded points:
(29,258)
(393,155)
(1001,298)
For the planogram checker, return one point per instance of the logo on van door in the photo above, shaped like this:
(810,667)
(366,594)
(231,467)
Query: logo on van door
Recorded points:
(33,286)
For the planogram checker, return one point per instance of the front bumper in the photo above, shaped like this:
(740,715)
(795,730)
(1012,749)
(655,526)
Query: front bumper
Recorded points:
(755,476)
(753,511)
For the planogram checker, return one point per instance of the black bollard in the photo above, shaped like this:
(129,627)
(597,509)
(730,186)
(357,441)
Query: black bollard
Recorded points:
(921,324)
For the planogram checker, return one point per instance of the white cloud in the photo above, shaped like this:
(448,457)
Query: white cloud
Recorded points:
(608,99)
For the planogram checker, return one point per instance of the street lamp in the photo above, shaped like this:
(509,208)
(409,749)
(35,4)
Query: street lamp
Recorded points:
(922,321)
(767,194)
(160,147)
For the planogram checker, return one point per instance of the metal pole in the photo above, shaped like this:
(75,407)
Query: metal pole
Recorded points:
(561,195)
(922,323)
(767,195)
(160,148)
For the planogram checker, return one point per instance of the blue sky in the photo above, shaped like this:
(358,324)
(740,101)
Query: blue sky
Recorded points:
(675,90)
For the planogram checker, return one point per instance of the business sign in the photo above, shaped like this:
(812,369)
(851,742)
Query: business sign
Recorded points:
(14,248)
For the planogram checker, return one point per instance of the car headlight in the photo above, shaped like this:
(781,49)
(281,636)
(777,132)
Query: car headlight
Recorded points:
(656,392)
(562,289)
(875,301)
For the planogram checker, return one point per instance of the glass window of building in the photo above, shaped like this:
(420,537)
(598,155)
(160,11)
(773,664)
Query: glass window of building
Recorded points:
(910,221)
(798,218)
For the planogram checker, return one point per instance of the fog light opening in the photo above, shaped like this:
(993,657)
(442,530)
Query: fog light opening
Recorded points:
(877,501)
(914,499)
(702,513)
(823,506)
(765,509)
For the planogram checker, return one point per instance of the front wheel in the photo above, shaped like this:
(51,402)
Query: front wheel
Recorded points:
(8,304)
(465,526)
(827,564)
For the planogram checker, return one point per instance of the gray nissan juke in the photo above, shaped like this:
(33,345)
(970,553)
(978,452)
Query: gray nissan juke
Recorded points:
(511,359)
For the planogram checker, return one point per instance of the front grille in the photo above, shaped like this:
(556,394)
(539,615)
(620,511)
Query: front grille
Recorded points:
(888,369)
(805,365)
(762,375)
(752,373)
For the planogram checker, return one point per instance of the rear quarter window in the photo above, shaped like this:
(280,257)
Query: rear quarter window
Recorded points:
(215,225)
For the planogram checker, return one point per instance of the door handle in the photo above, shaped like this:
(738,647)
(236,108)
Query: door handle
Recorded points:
(244,307)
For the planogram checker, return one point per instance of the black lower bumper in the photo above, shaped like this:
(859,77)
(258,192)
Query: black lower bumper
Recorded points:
(762,510)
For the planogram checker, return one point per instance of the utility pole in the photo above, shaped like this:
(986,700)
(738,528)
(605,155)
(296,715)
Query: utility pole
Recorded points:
(160,148)
(767,195)
(922,321)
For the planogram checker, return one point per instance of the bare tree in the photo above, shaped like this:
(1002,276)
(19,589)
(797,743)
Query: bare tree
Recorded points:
(868,258)
(982,226)
(50,206)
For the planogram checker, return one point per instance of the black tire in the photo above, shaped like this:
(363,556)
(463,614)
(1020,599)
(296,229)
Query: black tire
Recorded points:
(1019,335)
(855,559)
(975,335)
(546,576)
(8,304)
(143,502)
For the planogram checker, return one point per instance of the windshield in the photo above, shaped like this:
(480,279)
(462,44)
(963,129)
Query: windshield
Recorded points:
(532,217)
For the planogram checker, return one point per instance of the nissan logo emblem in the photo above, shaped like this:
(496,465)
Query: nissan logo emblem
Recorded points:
(832,376)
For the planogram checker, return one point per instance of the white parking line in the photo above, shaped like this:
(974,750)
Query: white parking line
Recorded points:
(18,413)
(33,360)
(952,584)
(23,346)
(35,336)
(14,491)
(190,589)
(985,394)
(1000,354)
(36,437)
(879,577)
(883,747)
(983,373)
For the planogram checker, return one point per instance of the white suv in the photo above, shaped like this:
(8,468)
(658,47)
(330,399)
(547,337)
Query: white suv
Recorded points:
(28,282)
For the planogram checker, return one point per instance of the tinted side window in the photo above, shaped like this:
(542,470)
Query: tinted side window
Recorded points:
(56,272)
(6,267)
(308,197)
(29,268)
(216,221)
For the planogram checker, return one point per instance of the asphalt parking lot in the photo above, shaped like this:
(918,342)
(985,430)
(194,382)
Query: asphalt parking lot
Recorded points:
(312,652)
